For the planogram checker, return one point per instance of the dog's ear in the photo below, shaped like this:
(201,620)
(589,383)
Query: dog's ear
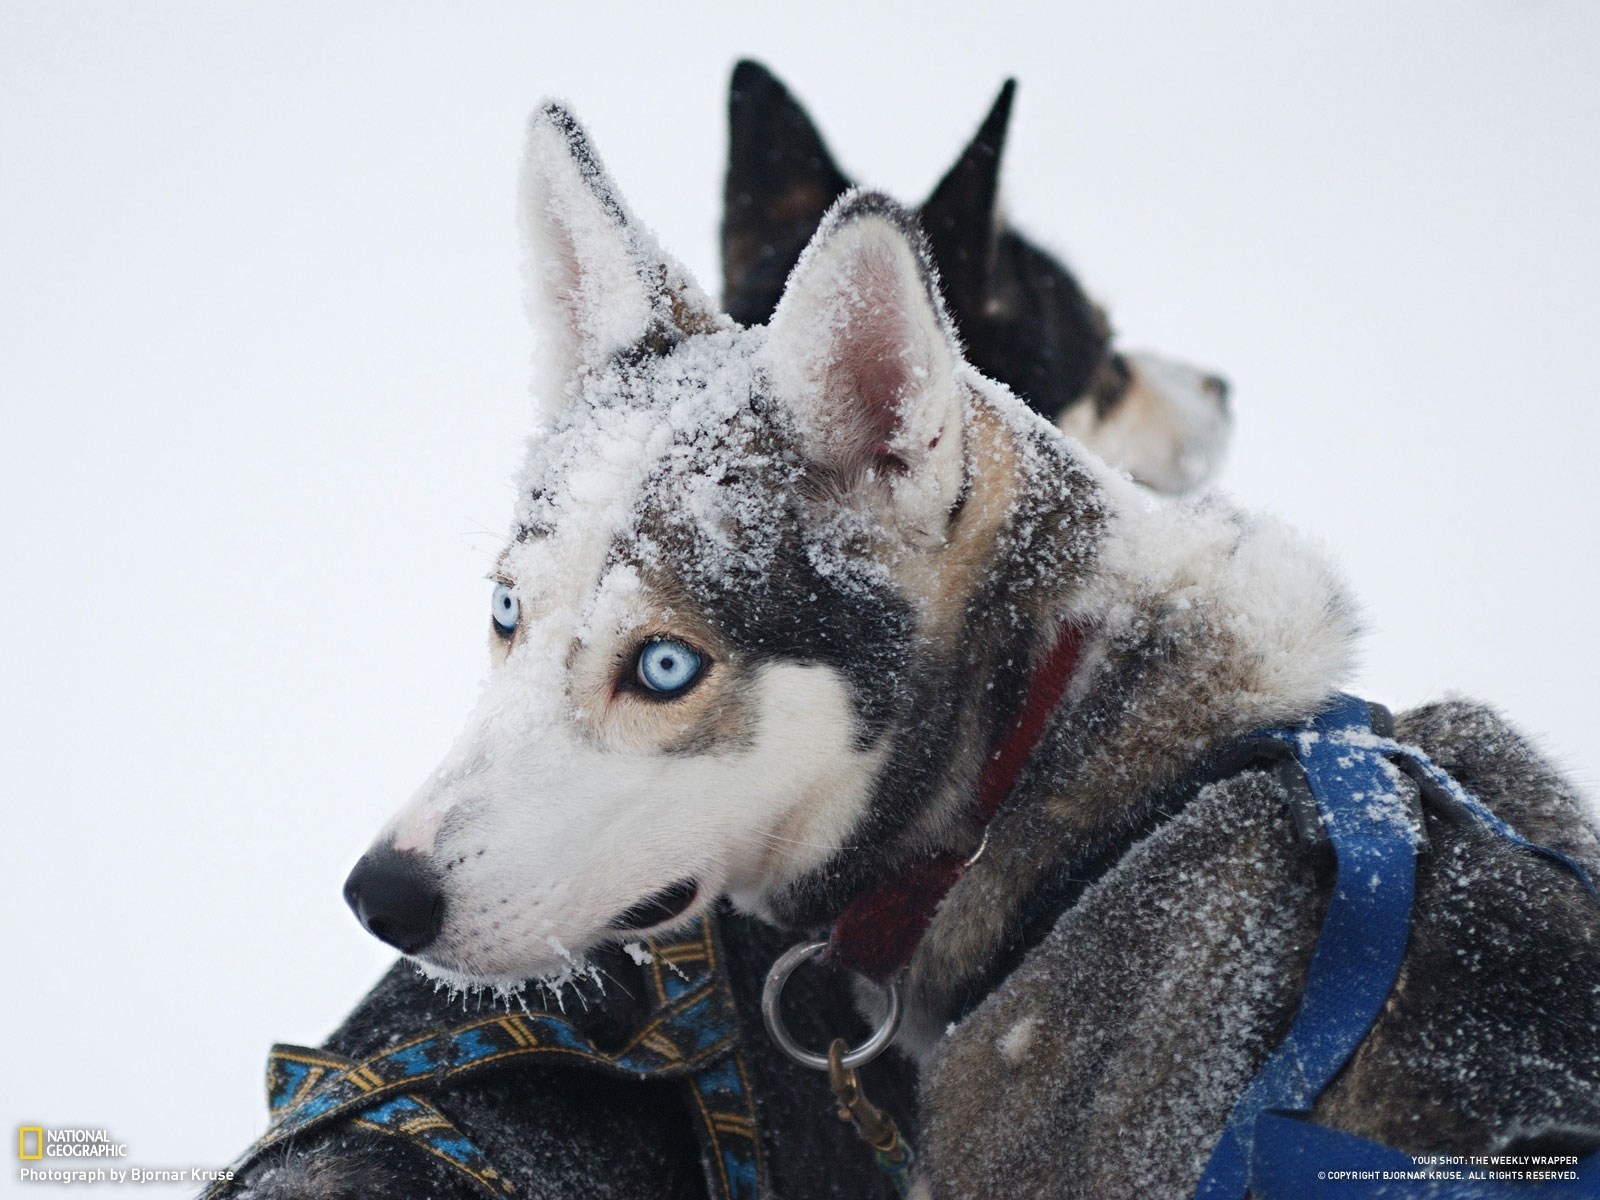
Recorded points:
(597,284)
(862,353)
(781,180)
(962,216)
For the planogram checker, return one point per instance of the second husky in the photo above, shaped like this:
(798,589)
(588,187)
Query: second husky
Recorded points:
(1022,315)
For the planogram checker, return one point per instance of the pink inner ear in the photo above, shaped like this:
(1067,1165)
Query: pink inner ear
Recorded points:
(559,275)
(876,360)
(566,277)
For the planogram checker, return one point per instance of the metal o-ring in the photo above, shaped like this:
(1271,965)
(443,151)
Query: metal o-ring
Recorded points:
(773,991)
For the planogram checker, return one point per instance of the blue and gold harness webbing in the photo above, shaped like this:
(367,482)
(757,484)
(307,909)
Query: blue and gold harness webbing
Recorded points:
(691,1034)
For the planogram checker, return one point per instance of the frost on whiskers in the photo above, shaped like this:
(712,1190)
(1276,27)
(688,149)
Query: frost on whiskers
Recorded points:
(576,974)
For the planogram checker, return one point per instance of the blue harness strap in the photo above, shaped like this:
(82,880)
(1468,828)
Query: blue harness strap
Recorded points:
(692,1034)
(1355,778)
(730,1139)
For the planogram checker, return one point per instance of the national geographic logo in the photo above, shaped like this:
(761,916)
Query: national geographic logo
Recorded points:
(35,1142)
(78,1154)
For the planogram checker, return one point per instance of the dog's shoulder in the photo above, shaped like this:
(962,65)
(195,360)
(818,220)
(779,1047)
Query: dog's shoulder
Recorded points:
(1114,1052)
(1501,981)
(346,1165)
(1105,1058)
(1502,767)
(552,1130)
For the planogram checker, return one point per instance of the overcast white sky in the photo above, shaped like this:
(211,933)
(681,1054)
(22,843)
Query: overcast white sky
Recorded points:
(263,374)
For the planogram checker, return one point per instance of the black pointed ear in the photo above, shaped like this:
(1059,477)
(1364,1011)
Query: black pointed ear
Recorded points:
(962,216)
(597,284)
(861,352)
(781,180)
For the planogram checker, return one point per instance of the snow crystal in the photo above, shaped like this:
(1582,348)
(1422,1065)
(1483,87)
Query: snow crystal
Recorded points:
(1016,1043)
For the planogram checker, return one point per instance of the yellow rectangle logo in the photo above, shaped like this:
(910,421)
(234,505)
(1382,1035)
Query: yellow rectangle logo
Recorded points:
(38,1142)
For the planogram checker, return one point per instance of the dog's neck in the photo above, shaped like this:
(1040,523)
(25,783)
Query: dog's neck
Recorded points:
(1200,625)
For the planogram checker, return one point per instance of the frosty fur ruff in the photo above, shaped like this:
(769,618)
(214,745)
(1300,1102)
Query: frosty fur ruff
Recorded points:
(863,546)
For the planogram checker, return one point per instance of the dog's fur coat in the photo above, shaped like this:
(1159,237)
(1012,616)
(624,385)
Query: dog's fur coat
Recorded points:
(867,544)
(1107,1064)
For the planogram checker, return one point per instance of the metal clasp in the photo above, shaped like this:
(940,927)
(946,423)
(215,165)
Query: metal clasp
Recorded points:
(874,1126)
(773,1016)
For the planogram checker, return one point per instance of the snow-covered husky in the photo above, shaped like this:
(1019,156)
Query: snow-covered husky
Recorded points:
(773,597)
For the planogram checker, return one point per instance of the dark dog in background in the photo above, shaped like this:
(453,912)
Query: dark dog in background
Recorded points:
(1023,317)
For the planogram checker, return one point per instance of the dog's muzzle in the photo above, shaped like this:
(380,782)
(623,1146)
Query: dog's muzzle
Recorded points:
(396,898)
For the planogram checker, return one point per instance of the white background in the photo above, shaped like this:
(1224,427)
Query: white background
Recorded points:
(263,372)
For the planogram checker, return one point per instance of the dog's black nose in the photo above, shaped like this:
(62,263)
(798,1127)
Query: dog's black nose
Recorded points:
(397,898)
(1217,386)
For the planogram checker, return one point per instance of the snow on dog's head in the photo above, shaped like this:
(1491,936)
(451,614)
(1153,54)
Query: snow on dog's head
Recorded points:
(715,591)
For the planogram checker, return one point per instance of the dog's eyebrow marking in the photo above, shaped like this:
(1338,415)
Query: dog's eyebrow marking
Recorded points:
(501,571)
(534,529)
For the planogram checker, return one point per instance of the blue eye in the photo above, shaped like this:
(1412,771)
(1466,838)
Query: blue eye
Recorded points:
(666,667)
(504,608)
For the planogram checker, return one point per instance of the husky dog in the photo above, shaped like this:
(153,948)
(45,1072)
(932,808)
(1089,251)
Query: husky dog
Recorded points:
(1022,316)
(771,595)
(558,1131)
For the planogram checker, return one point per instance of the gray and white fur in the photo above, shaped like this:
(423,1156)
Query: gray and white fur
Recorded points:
(865,546)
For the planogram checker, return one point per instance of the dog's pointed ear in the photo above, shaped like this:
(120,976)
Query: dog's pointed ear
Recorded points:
(597,284)
(781,180)
(962,216)
(863,355)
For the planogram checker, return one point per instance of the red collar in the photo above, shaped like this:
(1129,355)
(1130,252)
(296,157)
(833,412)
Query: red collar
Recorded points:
(879,930)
